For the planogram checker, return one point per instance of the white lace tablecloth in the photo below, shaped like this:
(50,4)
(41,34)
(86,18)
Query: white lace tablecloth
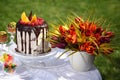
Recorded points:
(62,72)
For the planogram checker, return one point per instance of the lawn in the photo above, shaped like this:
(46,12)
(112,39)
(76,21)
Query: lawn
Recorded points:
(50,10)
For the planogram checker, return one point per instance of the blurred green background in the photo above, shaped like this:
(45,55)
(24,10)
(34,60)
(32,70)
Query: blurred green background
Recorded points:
(50,10)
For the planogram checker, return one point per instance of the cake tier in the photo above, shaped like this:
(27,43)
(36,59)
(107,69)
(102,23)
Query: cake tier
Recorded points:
(31,40)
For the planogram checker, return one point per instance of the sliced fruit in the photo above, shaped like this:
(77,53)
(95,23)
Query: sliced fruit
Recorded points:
(24,18)
(34,19)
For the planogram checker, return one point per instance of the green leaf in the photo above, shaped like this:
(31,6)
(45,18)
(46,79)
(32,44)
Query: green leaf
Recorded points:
(104,45)
(62,21)
(54,41)
(55,27)
(54,33)
(95,53)
(72,53)
(92,40)
(64,52)
(77,16)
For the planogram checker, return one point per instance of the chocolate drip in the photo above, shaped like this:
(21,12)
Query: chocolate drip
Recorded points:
(21,39)
(37,31)
(43,41)
(16,38)
(29,42)
(46,32)
(25,43)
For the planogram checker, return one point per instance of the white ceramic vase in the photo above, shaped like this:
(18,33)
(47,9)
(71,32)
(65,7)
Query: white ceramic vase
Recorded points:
(82,61)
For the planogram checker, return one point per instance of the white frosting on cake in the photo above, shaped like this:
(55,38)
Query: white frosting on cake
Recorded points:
(30,44)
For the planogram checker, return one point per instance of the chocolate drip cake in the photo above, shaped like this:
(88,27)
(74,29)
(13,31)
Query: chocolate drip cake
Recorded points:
(31,34)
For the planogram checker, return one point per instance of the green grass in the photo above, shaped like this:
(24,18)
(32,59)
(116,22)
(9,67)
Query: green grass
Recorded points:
(10,10)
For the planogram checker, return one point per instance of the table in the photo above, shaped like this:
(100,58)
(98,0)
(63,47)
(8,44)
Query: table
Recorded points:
(60,72)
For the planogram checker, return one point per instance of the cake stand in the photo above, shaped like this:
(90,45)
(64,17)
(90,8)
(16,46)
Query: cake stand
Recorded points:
(42,60)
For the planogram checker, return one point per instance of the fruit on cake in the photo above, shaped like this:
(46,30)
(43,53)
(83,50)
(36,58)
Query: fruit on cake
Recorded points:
(3,36)
(31,34)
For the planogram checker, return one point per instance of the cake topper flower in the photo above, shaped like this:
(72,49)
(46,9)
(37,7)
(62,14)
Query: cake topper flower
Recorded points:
(81,35)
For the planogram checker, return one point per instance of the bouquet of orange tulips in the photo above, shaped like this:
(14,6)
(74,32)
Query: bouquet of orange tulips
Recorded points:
(81,35)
